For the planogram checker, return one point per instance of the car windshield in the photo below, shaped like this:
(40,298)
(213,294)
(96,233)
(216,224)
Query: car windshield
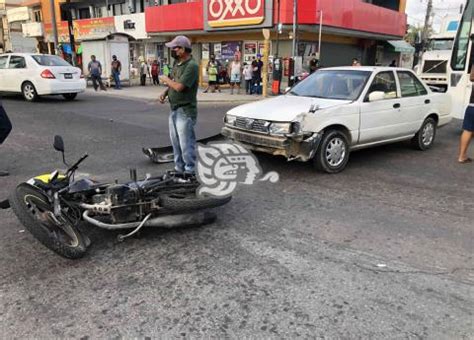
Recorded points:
(332,84)
(441,44)
(50,60)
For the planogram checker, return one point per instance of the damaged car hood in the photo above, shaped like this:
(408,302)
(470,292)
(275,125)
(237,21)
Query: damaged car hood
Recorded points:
(283,108)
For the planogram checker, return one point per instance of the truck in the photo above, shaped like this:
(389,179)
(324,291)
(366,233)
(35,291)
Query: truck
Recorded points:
(432,68)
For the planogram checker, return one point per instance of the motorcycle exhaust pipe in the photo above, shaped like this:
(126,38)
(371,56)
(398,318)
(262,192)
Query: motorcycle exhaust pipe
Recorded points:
(169,221)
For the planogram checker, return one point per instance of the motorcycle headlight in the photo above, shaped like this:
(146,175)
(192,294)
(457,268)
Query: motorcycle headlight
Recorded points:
(280,128)
(229,119)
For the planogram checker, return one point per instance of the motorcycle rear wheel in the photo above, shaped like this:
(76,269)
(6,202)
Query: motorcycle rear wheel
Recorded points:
(189,201)
(35,212)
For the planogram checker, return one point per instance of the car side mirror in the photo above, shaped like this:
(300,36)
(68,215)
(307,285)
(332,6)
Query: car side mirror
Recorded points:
(58,143)
(376,96)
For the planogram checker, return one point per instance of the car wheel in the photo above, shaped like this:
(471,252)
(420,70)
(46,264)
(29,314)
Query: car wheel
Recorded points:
(425,137)
(333,152)
(29,92)
(70,96)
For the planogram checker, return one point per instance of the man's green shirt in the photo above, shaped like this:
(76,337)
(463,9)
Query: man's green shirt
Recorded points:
(186,73)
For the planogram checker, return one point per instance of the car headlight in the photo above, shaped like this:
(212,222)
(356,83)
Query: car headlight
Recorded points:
(230,119)
(280,128)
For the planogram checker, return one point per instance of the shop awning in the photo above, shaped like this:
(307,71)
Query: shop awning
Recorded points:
(401,46)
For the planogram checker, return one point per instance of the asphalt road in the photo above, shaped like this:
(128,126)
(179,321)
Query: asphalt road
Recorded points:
(383,250)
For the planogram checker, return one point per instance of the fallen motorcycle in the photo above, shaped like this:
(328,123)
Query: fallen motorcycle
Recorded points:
(52,206)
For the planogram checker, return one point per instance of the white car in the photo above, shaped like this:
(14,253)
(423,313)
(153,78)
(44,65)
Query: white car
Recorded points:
(36,75)
(337,110)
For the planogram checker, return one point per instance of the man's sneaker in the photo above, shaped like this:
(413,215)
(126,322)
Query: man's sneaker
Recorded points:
(4,173)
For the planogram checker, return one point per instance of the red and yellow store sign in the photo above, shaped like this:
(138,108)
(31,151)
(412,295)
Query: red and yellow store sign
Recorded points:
(235,13)
(85,28)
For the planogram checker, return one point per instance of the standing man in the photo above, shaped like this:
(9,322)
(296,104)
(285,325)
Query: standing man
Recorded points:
(257,66)
(95,71)
(5,128)
(155,72)
(182,94)
(144,71)
(116,69)
(235,71)
(313,64)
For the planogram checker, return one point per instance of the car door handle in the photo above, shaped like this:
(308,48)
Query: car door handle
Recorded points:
(396,106)
(427,101)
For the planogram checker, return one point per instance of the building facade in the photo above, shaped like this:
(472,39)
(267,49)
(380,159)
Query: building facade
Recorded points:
(349,28)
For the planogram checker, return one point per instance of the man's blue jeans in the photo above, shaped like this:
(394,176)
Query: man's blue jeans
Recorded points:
(183,140)
(116,76)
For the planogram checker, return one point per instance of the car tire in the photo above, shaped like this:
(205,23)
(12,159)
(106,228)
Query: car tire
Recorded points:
(29,91)
(333,152)
(70,96)
(425,137)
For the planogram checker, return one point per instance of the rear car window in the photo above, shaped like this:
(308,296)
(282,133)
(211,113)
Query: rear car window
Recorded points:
(50,60)
(3,61)
(17,62)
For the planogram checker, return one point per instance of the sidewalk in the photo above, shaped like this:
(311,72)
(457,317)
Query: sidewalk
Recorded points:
(150,92)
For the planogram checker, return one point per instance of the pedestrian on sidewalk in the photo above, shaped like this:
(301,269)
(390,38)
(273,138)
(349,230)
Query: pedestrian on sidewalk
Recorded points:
(144,71)
(257,65)
(213,71)
(468,127)
(248,78)
(313,64)
(182,94)
(5,129)
(235,71)
(155,71)
(116,69)
(95,72)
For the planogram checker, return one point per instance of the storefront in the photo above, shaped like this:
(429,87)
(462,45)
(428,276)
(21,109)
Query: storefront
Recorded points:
(142,44)
(87,29)
(350,29)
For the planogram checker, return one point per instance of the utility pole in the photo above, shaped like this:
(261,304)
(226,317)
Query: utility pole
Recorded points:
(320,34)
(278,30)
(295,18)
(55,25)
(429,10)
(70,26)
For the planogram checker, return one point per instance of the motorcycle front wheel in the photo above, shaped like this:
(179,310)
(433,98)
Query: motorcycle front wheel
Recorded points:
(36,213)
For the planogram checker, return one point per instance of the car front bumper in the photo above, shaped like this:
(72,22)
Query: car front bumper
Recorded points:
(293,147)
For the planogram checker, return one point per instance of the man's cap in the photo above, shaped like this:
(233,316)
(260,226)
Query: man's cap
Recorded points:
(179,41)
(259,55)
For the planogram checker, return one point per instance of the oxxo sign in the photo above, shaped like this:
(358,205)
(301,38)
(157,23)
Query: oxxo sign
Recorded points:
(231,13)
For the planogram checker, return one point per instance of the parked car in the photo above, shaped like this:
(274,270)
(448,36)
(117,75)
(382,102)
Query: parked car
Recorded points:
(338,110)
(35,75)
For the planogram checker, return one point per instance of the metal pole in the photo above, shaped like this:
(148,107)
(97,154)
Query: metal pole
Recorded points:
(278,29)
(295,6)
(320,34)
(107,7)
(71,32)
(55,25)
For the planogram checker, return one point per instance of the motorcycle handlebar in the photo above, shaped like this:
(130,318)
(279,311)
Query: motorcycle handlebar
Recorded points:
(76,165)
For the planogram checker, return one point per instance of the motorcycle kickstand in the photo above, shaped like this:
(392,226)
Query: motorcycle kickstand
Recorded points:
(121,238)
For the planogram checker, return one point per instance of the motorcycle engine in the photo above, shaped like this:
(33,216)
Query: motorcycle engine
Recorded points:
(121,202)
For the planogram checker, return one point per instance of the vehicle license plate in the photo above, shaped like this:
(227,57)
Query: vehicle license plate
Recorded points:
(67,76)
